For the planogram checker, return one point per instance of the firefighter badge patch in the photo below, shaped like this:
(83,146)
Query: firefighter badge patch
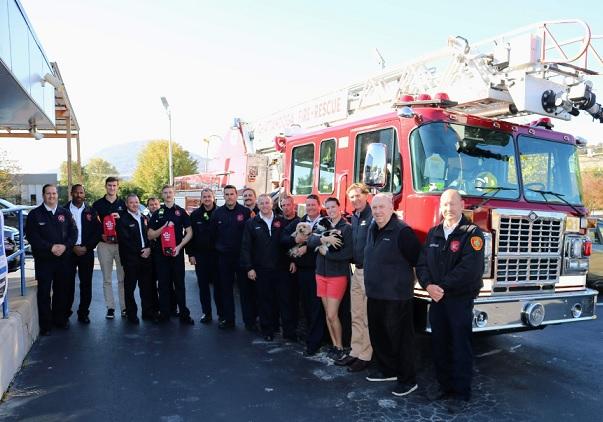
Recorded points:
(177,212)
(89,217)
(240,217)
(276,224)
(455,245)
(61,218)
(477,243)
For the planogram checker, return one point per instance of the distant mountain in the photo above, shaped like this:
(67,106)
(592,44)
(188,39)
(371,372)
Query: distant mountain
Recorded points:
(125,157)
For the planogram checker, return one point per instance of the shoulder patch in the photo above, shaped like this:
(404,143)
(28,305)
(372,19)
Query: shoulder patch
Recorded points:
(477,243)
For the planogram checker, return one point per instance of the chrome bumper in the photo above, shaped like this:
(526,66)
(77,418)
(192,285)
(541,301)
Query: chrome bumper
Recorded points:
(531,311)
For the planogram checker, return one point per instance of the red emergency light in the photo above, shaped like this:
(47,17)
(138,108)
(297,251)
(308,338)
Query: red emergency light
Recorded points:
(280,142)
(544,122)
(441,99)
(587,248)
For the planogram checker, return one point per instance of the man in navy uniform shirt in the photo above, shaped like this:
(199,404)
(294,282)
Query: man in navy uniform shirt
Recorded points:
(135,255)
(266,265)
(202,254)
(226,228)
(450,269)
(82,254)
(51,232)
(170,269)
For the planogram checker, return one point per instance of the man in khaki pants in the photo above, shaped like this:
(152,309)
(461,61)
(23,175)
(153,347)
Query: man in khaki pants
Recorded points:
(107,249)
(360,356)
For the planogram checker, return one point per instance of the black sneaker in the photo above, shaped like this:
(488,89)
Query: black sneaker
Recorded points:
(379,376)
(404,389)
(83,319)
(358,365)
(290,337)
(186,320)
(226,325)
(332,352)
(124,314)
(340,356)
(346,360)
(134,320)
(310,352)
(110,313)
(205,319)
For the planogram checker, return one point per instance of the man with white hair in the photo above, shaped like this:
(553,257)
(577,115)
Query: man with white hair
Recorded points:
(450,269)
(391,252)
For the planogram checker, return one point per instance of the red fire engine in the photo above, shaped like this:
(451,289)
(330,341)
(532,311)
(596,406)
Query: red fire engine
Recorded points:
(520,182)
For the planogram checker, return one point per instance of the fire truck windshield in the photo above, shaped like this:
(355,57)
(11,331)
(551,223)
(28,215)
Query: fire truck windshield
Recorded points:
(550,171)
(473,160)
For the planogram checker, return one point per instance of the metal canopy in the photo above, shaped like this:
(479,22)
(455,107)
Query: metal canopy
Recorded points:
(65,120)
(66,125)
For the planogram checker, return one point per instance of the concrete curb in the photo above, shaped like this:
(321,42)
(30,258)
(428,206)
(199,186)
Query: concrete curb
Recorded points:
(18,332)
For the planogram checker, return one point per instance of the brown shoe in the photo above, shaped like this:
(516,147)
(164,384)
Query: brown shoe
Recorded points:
(358,365)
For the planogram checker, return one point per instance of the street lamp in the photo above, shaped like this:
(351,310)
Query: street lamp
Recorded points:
(169,113)
(206,142)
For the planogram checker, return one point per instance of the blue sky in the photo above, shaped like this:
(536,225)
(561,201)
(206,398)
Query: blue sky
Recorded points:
(215,60)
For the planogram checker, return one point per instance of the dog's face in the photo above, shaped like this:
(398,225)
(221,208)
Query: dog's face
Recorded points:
(303,229)
(323,225)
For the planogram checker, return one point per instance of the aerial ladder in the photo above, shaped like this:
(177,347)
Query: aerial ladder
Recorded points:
(543,69)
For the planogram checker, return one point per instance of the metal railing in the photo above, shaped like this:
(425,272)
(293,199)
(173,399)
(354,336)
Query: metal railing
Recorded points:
(20,253)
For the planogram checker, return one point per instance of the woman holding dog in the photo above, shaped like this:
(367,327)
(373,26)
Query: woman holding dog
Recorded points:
(333,270)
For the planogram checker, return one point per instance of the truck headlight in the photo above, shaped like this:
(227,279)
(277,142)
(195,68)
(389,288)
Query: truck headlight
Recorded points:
(575,253)
(488,246)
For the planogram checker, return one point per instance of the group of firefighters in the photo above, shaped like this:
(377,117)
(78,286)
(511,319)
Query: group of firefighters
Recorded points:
(279,262)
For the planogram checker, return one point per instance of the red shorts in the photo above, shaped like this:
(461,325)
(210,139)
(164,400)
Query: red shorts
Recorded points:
(332,287)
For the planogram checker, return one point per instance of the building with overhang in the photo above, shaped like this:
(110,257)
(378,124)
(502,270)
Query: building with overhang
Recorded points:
(33,98)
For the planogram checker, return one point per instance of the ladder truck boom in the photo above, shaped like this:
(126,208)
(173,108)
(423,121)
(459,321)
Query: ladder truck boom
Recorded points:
(532,70)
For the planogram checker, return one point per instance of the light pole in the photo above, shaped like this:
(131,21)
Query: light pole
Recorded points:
(169,113)
(206,142)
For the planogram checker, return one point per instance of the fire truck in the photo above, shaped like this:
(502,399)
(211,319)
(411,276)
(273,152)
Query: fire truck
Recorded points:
(452,119)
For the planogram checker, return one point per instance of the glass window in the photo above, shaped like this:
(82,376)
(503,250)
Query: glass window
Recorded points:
(393,182)
(326,171)
(473,160)
(550,171)
(302,169)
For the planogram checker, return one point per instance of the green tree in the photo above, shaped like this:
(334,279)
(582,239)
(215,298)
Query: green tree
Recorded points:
(74,174)
(8,170)
(127,187)
(592,189)
(152,166)
(97,170)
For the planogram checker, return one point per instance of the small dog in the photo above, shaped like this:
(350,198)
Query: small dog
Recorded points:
(324,228)
(304,229)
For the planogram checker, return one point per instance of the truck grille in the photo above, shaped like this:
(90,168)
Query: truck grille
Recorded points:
(528,250)
(533,270)
(519,235)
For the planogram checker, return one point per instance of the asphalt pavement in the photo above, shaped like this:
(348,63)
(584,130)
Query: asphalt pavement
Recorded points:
(115,371)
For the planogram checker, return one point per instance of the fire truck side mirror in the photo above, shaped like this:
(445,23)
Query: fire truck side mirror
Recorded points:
(375,166)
